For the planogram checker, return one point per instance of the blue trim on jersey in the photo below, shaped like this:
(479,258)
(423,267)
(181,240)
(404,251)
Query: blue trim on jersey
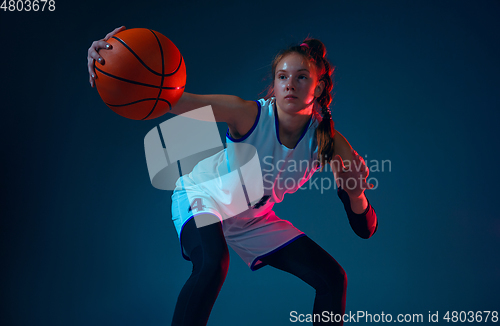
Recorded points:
(228,135)
(277,127)
(254,267)
(182,227)
(276,124)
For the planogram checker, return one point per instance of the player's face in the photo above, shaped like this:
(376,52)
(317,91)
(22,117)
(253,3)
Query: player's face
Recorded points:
(296,84)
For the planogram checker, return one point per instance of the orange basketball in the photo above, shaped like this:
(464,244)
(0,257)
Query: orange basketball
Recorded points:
(143,75)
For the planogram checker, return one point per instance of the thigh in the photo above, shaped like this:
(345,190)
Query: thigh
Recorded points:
(255,237)
(186,204)
(208,239)
(305,259)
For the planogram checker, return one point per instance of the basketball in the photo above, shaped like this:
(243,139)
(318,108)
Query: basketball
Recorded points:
(143,75)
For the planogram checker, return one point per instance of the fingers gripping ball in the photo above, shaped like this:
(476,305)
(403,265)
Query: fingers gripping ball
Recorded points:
(143,75)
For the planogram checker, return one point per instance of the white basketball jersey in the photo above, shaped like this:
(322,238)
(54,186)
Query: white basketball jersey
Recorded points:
(241,184)
(283,170)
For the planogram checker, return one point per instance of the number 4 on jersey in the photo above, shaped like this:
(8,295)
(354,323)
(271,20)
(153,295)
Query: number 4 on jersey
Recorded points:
(4,5)
(197,204)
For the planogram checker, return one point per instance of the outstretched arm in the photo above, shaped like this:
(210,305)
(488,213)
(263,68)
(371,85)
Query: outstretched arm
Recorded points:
(351,186)
(239,114)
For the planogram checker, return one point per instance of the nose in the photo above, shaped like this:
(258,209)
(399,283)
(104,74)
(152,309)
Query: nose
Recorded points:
(290,85)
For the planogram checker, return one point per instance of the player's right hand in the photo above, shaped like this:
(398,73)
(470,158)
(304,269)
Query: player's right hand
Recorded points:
(93,53)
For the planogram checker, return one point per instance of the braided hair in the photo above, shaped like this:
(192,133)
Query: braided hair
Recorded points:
(315,51)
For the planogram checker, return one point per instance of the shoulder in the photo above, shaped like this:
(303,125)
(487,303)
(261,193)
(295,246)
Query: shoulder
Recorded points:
(247,114)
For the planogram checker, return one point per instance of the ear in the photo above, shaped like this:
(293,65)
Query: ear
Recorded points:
(319,89)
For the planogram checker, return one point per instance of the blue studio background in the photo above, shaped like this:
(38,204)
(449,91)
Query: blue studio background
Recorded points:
(86,240)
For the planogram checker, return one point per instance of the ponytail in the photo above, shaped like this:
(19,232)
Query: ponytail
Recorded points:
(325,130)
(325,133)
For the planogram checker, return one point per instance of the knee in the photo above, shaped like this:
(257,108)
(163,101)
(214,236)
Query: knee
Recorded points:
(337,279)
(216,263)
(211,265)
(330,281)
(342,277)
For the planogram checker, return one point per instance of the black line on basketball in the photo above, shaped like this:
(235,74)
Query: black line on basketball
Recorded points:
(135,82)
(135,55)
(162,74)
(180,62)
(143,100)
(143,63)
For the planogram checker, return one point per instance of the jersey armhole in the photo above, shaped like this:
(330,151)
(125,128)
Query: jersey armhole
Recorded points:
(228,135)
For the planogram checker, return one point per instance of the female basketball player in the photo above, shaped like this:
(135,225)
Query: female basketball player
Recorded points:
(286,126)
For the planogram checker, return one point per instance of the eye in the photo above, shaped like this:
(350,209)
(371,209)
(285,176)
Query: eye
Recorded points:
(281,77)
(302,77)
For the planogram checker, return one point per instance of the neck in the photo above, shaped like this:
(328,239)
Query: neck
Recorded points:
(291,126)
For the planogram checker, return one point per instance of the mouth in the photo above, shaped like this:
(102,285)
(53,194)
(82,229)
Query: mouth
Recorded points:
(290,97)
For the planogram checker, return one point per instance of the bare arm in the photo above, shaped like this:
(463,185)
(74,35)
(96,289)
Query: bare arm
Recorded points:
(342,148)
(351,161)
(362,216)
(236,112)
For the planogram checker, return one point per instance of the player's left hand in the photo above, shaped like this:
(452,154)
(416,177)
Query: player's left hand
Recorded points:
(353,177)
